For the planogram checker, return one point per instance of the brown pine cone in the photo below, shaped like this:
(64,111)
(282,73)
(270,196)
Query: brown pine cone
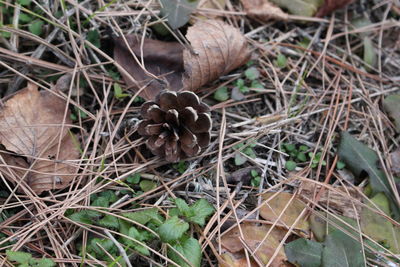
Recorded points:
(176,125)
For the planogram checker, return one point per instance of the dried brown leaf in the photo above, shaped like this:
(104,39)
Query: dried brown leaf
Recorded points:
(331,5)
(253,235)
(31,124)
(263,10)
(216,49)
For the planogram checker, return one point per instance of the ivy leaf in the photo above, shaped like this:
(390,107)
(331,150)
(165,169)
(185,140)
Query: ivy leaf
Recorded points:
(18,256)
(359,158)
(190,249)
(201,209)
(177,11)
(304,252)
(172,229)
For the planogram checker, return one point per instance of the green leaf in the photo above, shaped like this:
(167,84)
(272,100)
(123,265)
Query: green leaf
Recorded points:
(190,249)
(301,157)
(93,36)
(290,165)
(359,158)
(177,11)
(85,216)
(290,147)
(281,61)
(250,152)
(24,18)
(303,148)
(147,185)
(239,159)
(145,216)
(340,165)
(24,2)
(201,209)
(101,201)
(306,8)
(36,27)
(109,221)
(342,251)
(109,195)
(221,94)
(172,229)
(391,104)
(182,206)
(252,73)
(304,252)
(254,173)
(370,57)
(97,245)
(43,263)
(18,256)
(118,92)
(255,182)
(133,179)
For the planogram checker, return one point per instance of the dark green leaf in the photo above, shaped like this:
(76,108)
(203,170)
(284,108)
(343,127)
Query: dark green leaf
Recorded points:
(304,252)
(18,256)
(391,104)
(172,229)
(190,249)
(24,18)
(342,251)
(290,165)
(97,245)
(177,11)
(43,263)
(36,27)
(359,158)
(85,216)
(101,201)
(182,206)
(94,37)
(221,94)
(24,2)
(145,216)
(133,179)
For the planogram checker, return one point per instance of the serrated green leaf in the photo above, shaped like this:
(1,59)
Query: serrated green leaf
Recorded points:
(145,216)
(190,249)
(200,210)
(85,216)
(109,221)
(304,252)
(172,229)
(177,11)
(359,158)
(182,206)
(36,27)
(18,256)
(342,251)
(221,94)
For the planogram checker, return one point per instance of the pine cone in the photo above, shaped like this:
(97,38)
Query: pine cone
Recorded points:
(176,125)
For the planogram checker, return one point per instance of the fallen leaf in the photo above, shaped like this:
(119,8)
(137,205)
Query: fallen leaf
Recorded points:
(377,226)
(177,11)
(338,198)
(253,235)
(360,158)
(331,5)
(304,252)
(306,8)
(395,162)
(235,260)
(32,127)
(216,49)
(391,104)
(273,208)
(323,224)
(263,10)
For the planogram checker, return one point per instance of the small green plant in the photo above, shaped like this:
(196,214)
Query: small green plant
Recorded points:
(118,92)
(246,149)
(298,154)
(181,166)
(281,61)
(256,179)
(133,179)
(221,94)
(24,259)
(78,112)
(316,159)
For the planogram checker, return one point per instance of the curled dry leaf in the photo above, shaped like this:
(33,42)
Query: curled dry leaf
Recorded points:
(35,134)
(263,10)
(216,49)
(253,235)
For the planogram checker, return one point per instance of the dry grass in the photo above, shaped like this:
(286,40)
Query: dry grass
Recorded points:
(323,90)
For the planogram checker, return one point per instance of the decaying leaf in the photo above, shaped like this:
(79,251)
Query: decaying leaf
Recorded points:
(35,133)
(284,201)
(395,162)
(177,11)
(331,5)
(241,175)
(378,227)
(342,199)
(253,235)
(391,104)
(263,10)
(235,260)
(360,158)
(216,49)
